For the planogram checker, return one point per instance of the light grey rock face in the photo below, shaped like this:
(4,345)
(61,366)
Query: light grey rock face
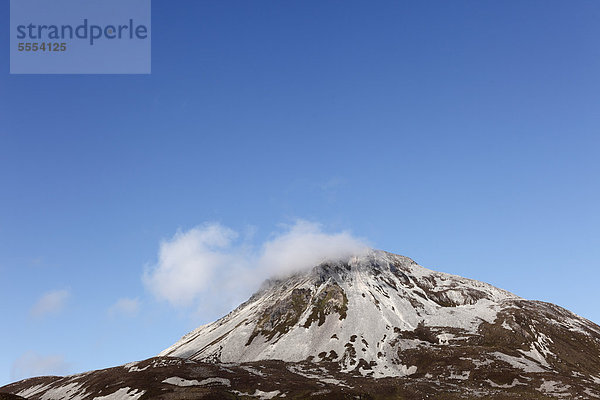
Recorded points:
(375,314)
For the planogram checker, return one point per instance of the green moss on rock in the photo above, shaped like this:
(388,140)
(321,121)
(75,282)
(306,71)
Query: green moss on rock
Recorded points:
(331,299)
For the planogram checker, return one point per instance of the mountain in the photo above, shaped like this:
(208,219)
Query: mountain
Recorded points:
(374,326)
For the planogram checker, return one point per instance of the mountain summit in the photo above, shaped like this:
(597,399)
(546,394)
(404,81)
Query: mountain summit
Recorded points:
(348,311)
(376,325)
(379,313)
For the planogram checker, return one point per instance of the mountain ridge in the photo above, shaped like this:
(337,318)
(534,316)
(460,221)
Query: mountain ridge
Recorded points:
(361,313)
(372,326)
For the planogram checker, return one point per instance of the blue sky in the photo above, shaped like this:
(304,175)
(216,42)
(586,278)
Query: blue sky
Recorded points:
(462,134)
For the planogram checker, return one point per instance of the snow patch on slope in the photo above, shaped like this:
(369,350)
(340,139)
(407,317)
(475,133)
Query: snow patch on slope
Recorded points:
(32,390)
(70,391)
(123,394)
(259,394)
(519,362)
(177,381)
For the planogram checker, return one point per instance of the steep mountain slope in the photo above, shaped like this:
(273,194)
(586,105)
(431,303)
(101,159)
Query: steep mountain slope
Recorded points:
(371,326)
(379,313)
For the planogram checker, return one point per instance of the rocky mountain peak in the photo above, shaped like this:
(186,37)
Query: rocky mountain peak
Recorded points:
(319,314)
(327,331)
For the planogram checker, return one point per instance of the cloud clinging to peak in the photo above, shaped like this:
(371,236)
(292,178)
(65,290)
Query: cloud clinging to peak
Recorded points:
(304,245)
(210,258)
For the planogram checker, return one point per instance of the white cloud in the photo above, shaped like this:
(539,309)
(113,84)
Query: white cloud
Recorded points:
(187,262)
(305,245)
(207,262)
(125,306)
(50,303)
(33,364)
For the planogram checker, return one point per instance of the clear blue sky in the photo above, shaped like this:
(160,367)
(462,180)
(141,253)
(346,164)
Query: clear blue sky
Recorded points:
(463,134)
